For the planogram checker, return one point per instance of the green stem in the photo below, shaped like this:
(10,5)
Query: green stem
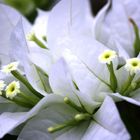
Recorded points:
(113,79)
(22,103)
(33,101)
(127,84)
(39,43)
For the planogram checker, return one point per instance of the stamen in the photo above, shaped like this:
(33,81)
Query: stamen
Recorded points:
(72,104)
(33,37)
(58,127)
(82,117)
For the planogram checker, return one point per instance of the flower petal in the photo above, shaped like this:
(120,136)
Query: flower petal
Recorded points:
(107,124)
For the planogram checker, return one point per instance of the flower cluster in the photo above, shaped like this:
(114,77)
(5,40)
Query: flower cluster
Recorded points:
(62,85)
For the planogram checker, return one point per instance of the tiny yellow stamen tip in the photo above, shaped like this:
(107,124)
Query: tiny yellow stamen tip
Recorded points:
(50,129)
(66,100)
(107,56)
(10,67)
(78,117)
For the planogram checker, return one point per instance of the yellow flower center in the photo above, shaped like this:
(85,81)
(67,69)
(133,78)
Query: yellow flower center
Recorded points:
(12,89)
(107,56)
(133,65)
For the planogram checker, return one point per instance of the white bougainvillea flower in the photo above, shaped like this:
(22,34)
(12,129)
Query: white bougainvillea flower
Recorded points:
(87,50)
(116,31)
(61,121)
(12,89)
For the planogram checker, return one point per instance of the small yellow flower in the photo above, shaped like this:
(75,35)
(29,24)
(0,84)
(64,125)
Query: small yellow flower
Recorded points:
(10,67)
(2,85)
(133,65)
(107,56)
(12,89)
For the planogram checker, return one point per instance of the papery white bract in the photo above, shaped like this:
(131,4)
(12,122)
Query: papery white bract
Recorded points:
(109,125)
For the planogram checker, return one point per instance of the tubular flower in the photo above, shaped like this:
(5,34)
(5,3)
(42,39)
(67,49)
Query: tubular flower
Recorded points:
(133,65)
(10,67)
(107,56)
(12,89)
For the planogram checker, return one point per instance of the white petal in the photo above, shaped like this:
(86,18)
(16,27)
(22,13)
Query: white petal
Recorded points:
(117,27)
(107,124)
(42,58)
(68,18)
(9,121)
(7,14)
(132,9)
(61,82)
(8,106)
(128,99)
